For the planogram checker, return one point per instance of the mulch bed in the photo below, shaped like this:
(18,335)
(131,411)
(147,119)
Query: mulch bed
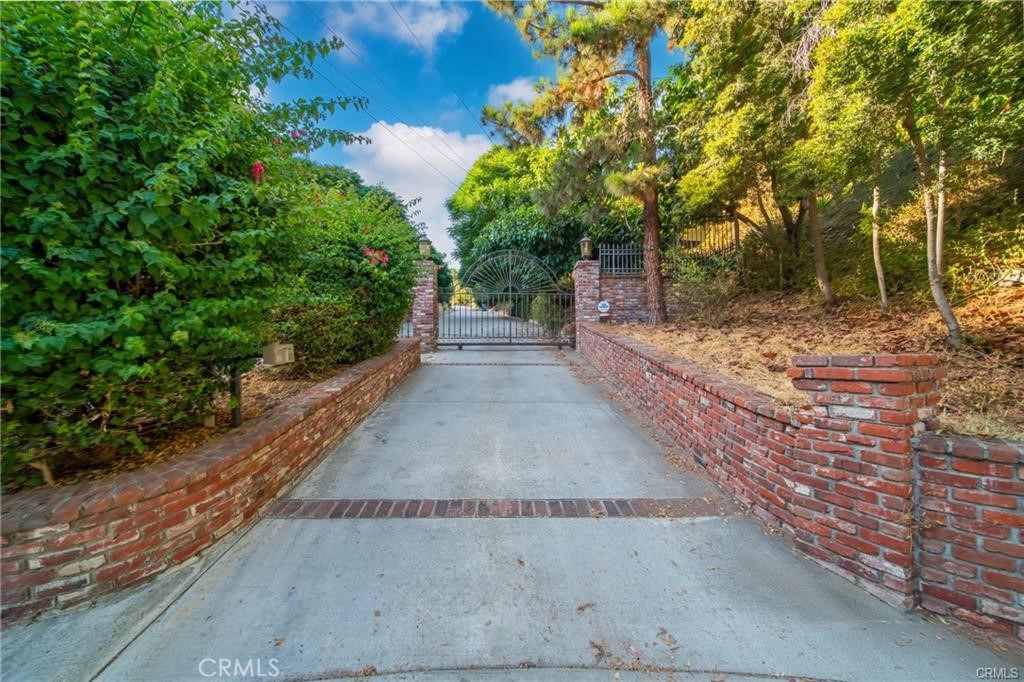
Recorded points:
(759,334)
(262,389)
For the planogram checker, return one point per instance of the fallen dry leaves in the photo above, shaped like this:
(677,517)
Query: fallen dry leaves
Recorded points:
(983,394)
(262,389)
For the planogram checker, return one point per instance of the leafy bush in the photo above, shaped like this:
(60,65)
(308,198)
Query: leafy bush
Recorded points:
(549,313)
(699,291)
(354,282)
(142,200)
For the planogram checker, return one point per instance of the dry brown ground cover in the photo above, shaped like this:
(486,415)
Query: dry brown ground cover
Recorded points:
(983,394)
(262,389)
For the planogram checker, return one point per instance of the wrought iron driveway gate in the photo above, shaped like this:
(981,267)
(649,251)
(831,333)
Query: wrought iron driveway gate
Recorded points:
(506,298)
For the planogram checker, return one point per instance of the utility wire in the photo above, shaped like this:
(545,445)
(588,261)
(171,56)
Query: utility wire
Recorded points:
(374,118)
(369,68)
(387,109)
(430,59)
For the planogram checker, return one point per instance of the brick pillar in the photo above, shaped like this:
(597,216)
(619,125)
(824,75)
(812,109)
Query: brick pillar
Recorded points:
(855,449)
(586,277)
(424,304)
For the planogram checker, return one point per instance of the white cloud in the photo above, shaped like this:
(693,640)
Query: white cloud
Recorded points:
(519,89)
(278,10)
(265,94)
(389,162)
(430,21)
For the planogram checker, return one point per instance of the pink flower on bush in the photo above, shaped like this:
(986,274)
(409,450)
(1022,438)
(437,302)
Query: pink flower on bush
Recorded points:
(376,256)
(257,171)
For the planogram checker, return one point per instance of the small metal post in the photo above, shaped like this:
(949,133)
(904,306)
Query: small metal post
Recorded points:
(236,397)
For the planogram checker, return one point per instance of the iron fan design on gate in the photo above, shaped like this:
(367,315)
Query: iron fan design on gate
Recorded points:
(509,271)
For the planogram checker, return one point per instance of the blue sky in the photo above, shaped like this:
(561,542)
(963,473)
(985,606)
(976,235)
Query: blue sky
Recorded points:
(423,121)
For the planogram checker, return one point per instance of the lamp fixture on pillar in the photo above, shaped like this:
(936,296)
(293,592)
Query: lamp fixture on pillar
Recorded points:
(424,247)
(586,248)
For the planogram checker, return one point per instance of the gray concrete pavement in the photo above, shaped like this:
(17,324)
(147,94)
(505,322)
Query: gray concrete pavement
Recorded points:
(498,599)
(501,431)
(465,324)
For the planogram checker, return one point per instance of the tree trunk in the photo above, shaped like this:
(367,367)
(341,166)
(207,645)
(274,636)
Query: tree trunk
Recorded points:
(956,338)
(818,244)
(876,247)
(737,244)
(735,229)
(652,218)
(940,217)
(791,225)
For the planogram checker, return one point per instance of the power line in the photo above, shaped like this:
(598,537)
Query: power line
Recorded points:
(374,118)
(430,59)
(385,127)
(385,108)
(382,81)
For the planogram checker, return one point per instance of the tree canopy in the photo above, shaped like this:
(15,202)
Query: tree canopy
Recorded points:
(775,117)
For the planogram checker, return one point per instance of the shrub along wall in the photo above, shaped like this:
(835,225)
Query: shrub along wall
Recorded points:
(840,477)
(64,546)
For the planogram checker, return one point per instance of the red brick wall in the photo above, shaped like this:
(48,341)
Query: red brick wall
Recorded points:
(838,476)
(424,304)
(627,295)
(971,549)
(586,278)
(64,546)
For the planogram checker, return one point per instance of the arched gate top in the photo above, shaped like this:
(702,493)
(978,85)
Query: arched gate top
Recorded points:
(510,271)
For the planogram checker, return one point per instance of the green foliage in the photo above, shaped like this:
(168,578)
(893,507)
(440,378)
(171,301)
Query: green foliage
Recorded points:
(352,288)
(445,281)
(139,253)
(781,102)
(551,313)
(497,207)
(698,290)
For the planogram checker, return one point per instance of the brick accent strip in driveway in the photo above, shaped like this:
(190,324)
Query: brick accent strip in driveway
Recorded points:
(680,507)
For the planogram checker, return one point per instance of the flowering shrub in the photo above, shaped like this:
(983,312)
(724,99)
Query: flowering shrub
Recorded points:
(350,298)
(376,256)
(142,244)
(258,171)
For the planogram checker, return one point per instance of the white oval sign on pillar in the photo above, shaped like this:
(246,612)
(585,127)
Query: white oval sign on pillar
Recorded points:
(603,307)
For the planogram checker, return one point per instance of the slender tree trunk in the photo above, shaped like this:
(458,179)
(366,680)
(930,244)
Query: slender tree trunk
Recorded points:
(737,244)
(940,216)
(735,229)
(939,92)
(652,218)
(818,244)
(876,247)
(956,338)
(792,226)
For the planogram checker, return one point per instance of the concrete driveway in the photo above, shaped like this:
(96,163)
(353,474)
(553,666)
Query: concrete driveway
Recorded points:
(498,519)
(462,323)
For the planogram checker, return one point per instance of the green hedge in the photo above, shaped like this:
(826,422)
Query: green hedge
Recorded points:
(355,276)
(142,243)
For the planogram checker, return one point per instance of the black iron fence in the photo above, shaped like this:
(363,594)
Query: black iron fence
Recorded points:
(621,259)
(711,242)
(405,331)
(468,318)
